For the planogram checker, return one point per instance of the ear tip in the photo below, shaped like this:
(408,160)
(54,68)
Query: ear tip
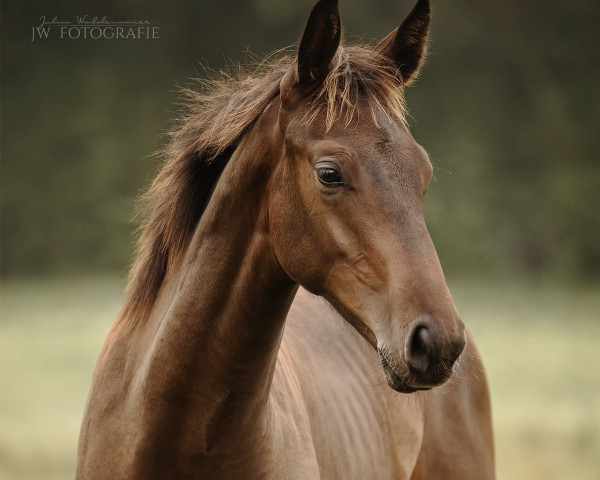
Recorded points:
(423,6)
(326,4)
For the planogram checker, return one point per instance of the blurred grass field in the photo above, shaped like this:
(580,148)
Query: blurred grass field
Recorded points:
(541,347)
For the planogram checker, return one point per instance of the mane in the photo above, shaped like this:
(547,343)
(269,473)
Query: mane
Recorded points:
(215,116)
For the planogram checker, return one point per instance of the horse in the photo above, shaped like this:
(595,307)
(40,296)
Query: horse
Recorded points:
(287,316)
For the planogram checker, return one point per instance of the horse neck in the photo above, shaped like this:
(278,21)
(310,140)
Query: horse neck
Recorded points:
(215,343)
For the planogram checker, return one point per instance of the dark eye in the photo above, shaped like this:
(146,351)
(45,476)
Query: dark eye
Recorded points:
(329,175)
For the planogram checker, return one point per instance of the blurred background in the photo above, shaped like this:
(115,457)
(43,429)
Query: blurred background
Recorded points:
(507,107)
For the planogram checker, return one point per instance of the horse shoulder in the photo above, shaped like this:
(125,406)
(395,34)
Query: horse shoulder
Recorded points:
(328,385)
(458,441)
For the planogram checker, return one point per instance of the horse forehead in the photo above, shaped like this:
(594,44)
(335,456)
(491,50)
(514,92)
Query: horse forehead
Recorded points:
(382,144)
(374,138)
(361,131)
(396,145)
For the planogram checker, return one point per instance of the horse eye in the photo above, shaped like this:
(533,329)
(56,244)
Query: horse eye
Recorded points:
(329,176)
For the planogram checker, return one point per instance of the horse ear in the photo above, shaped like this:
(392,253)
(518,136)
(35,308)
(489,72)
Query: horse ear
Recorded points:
(406,45)
(319,43)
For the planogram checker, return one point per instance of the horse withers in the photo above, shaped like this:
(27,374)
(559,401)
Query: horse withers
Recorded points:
(297,183)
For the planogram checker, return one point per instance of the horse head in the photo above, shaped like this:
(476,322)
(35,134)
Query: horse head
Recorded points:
(345,204)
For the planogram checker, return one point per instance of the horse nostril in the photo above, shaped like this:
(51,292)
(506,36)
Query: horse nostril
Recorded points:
(419,349)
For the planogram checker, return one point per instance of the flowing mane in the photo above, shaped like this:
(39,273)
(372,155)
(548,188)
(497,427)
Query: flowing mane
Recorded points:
(214,119)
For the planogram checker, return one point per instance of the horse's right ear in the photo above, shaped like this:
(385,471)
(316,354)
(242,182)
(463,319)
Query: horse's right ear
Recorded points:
(319,43)
(318,46)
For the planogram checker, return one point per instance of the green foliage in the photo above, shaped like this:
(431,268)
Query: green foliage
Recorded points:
(507,107)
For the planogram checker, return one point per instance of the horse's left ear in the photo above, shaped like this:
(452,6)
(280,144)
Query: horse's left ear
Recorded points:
(406,45)
(319,43)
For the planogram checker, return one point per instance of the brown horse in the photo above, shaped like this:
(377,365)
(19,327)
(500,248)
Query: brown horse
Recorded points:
(302,178)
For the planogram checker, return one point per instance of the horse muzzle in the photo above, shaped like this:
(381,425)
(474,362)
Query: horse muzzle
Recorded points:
(428,356)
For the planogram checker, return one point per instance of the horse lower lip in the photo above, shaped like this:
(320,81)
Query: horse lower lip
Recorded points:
(395,381)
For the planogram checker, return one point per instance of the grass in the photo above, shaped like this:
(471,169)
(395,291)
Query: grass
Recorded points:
(539,343)
(540,347)
(50,335)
